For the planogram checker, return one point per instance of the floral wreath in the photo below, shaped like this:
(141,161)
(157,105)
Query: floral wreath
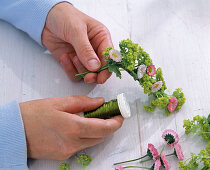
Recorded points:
(133,59)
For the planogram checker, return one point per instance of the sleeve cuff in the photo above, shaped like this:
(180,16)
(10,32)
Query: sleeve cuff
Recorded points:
(36,16)
(13,149)
(28,15)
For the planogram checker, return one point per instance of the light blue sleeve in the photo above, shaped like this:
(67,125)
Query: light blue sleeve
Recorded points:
(27,15)
(13,150)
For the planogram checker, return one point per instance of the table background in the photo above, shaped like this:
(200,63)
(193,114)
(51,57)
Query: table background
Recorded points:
(177,36)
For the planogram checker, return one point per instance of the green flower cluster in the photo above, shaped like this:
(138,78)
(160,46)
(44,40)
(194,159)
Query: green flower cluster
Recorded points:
(201,126)
(132,57)
(64,166)
(195,159)
(82,159)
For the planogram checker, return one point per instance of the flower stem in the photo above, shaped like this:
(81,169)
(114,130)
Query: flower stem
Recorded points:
(170,154)
(77,76)
(146,160)
(151,158)
(130,160)
(135,167)
(163,148)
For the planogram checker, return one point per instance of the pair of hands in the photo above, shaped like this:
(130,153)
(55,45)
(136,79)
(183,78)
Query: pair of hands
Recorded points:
(52,127)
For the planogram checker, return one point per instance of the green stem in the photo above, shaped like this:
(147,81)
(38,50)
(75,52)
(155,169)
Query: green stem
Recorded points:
(170,154)
(84,74)
(135,167)
(151,100)
(152,159)
(163,148)
(146,160)
(130,160)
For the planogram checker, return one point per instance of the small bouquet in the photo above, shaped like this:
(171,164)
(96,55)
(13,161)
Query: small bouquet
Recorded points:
(133,59)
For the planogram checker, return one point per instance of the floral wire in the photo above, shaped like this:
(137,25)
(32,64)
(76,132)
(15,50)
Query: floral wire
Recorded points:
(130,160)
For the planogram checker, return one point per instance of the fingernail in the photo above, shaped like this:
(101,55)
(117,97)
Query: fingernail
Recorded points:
(94,64)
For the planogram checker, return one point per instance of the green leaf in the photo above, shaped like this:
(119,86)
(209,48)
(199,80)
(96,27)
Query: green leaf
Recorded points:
(114,68)
(205,168)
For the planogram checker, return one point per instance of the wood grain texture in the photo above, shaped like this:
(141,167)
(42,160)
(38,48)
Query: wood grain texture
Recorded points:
(175,33)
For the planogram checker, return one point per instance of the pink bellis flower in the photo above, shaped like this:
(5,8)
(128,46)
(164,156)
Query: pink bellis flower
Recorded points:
(164,161)
(115,55)
(171,137)
(178,152)
(151,70)
(172,104)
(141,71)
(156,86)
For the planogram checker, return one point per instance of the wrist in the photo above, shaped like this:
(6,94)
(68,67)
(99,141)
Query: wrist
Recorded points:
(54,16)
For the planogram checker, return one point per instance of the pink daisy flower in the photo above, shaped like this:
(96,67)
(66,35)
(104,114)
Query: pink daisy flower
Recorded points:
(119,167)
(151,70)
(156,165)
(115,55)
(152,152)
(141,71)
(172,104)
(170,136)
(156,86)
(178,152)
(164,161)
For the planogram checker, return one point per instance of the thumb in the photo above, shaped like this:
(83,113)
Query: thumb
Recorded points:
(76,104)
(85,52)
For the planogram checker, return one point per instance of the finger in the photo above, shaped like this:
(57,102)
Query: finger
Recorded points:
(100,42)
(103,76)
(85,143)
(85,52)
(90,78)
(76,104)
(80,68)
(99,128)
(68,66)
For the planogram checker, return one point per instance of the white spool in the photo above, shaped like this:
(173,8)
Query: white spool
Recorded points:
(123,105)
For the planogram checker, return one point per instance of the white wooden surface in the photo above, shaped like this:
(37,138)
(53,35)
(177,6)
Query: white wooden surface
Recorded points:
(177,36)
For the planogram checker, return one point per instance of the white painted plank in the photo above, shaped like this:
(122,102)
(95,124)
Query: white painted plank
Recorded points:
(177,36)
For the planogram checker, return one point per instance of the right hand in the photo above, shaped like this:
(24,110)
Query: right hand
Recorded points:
(54,131)
(77,42)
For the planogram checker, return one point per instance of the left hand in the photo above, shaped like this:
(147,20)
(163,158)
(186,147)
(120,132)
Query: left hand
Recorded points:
(77,42)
